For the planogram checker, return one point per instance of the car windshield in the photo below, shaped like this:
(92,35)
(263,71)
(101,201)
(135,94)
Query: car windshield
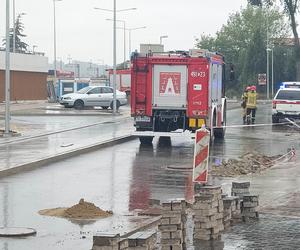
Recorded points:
(84,90)
(288,95)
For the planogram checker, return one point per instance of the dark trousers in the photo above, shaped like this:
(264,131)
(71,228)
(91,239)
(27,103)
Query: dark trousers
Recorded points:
(251,111)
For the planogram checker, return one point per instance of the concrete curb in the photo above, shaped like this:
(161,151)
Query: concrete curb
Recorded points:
(58,157)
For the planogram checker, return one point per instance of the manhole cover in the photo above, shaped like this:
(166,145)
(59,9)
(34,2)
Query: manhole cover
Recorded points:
(16,231)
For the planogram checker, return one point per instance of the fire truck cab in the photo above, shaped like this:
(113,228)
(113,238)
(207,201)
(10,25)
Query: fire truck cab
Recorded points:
(177,91)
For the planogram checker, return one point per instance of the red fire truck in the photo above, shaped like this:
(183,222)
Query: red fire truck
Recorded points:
(123,79)
(178,91)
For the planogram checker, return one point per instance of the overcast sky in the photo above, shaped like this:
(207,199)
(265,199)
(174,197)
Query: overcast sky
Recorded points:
(84,34)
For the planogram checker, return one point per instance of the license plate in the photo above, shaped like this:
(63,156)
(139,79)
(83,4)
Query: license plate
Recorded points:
(142,119)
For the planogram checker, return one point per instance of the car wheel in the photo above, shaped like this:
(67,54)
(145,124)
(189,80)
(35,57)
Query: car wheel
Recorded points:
(78,104)
(275,119)
(118,104)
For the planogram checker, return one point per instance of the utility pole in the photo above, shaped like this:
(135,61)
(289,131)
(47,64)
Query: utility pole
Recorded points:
(7,74)
(115,60)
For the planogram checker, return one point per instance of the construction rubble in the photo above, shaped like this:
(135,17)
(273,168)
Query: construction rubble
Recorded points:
(248,163)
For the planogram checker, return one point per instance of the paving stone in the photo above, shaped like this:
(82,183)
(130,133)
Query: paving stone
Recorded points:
(171,241)
(175,220)
(250,198)
(106,239)
(206,212)
(250,204)
(168,228)
(172,247)
(241,184)
(165,221)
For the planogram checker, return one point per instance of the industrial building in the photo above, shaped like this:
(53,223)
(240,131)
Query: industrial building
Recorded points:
(28,76)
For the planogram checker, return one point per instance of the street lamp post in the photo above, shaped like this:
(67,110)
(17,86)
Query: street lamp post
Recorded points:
(161,37)
(14,26)
(272,72)
(7,74)
(268,74)
(114,51)
(54,36)
(131,29)
(124,29)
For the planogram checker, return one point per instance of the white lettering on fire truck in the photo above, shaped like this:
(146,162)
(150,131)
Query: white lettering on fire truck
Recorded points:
(197,74)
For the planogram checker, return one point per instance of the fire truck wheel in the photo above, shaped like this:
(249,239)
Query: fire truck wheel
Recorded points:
(219,133)
(146,140)
(78,104)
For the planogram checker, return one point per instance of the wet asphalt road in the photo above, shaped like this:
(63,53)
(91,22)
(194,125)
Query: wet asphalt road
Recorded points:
(122,178)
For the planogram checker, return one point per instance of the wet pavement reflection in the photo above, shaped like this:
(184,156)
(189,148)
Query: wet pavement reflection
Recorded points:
(124,177)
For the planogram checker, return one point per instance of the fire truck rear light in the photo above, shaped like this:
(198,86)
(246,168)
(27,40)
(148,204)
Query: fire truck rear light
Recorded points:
(192,123)
(201,122)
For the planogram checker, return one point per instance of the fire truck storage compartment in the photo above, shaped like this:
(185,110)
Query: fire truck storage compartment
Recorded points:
(169,87)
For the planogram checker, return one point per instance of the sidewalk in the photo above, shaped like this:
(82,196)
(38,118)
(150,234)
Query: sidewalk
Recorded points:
(50,138)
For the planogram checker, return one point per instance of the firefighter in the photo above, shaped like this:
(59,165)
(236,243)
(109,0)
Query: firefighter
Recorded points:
(244,103)
(251,104)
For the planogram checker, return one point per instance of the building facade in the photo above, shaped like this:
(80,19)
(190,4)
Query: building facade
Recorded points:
(28,76)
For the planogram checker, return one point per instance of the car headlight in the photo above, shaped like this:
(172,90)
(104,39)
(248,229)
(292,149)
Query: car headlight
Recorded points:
(67,98)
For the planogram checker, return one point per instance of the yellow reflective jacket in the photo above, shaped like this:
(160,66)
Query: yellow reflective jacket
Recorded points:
(251,99)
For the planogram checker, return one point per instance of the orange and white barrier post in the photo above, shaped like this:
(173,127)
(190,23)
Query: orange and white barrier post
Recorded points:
(201,153)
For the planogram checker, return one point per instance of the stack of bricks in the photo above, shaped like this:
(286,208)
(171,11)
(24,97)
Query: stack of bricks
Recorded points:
(228,203)
(208,213)
(236,210)
(249,207)
(240,189)
(108,242)
(142,241)
(172,225)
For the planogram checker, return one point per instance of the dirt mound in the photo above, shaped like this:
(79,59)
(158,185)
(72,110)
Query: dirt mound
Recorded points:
(82,210)
(248,163)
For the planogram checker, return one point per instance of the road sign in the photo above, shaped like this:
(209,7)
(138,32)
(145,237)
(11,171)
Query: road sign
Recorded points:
(262,79)
(201,153)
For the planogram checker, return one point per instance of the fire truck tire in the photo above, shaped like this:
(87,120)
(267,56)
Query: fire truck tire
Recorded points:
(219,133)
(78,104)
(146,140)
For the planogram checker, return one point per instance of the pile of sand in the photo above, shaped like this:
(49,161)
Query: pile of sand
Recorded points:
(246,164)
(82,210)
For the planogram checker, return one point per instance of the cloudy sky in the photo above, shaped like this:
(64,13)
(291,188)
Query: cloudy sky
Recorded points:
(84,34)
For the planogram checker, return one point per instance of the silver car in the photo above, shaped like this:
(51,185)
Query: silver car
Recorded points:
(91,96)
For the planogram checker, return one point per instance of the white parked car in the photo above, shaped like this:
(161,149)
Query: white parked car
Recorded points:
(91,96)
(286,104)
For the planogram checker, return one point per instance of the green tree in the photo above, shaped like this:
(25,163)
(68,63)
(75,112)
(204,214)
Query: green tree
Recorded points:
(243,41)
(19,29)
